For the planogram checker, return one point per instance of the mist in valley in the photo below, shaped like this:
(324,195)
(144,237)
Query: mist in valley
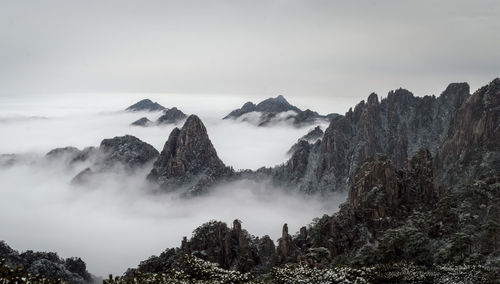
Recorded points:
(115,221)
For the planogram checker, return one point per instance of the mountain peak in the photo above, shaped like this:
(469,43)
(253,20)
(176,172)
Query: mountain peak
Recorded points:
(275,105)
(188,157)
(171,116)
(145,105)
(281,98)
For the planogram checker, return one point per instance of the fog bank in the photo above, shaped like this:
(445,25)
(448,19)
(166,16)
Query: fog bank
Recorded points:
(114,223)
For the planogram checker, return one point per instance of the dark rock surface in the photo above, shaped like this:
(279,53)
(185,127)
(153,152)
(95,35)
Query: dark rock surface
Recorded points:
(171,116)
(128,150)
(391,216)
(472,147)
(232,248)
(397,126)
(311,137)
(188,158)
(144,121)
(395,211)
(145,105)
(47,264)
(270,108)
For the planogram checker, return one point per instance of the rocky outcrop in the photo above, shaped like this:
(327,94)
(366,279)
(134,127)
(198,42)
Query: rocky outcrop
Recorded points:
(471,148)
(391,216)
(380,191)
(232,248)
(171,116)
(246,108)
(146,105)
(307,117)
(46,264)
(143,122)
(397,126)
(274,110)
(188,158)
(395,212)
(126,152)
(286,250)
(311,137)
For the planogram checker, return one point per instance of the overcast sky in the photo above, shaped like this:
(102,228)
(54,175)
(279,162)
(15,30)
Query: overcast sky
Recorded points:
(302,49)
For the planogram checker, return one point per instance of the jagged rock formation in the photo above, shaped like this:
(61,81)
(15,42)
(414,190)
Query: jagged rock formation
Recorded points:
(277,109)
(145,105)
(395,212)
(144,121)
(397,126)
(171,116)
(285,249)
(188,158)
(472,148)
(311,137)
(391,216)
(380,190)
(232,248)
(47,264)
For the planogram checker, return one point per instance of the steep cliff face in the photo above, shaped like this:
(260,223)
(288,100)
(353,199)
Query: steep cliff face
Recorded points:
(311,137)
(378,190)
(395,211)
(391,216)
(188,157)
(471,148)
(397,126)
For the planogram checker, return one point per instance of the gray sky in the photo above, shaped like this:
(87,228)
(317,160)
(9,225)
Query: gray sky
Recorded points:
(302,49)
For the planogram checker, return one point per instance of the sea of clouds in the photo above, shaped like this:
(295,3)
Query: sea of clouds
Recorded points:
(115,223)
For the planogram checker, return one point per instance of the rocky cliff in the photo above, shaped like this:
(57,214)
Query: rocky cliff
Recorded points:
(391,216)
(311,137)
(402,206)
(189,159)
(397,126)
(472,147)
